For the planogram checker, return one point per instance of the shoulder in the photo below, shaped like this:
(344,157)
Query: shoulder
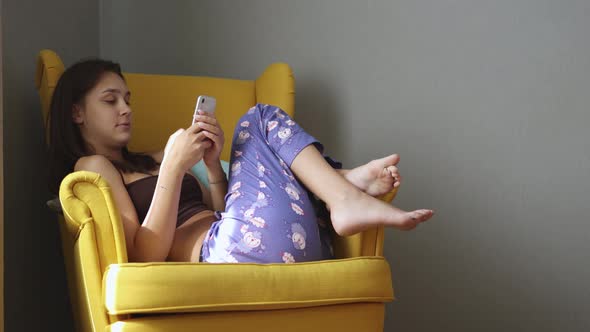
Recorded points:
(95,163)
(98,164)
(101,165)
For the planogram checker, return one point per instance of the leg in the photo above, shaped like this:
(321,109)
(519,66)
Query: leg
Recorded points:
(269,216)
(351,210)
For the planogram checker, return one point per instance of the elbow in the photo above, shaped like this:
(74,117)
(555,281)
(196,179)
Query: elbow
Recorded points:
(143,256)
(146,251)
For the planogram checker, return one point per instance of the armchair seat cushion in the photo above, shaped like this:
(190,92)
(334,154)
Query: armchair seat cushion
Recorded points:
(198,287)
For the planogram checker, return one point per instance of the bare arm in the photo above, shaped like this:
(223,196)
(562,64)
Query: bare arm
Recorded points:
(151,240)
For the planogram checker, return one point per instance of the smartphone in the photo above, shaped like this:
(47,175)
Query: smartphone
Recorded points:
(205,103)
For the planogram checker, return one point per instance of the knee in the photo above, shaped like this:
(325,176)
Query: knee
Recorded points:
(267,111)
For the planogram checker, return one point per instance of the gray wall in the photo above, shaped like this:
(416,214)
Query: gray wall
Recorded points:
(35,289)
(486,101)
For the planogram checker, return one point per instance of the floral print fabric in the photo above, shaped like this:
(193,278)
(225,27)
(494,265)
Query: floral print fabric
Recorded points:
(270,216)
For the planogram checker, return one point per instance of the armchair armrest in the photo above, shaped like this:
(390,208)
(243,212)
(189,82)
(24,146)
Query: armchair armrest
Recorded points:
(86,198)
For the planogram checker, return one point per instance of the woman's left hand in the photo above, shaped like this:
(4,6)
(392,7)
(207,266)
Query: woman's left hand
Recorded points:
(211,129)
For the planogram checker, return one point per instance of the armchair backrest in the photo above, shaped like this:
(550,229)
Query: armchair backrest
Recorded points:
(162,104)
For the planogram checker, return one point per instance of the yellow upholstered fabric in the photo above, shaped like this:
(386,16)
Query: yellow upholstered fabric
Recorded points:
(109,294)
(161,104)
(138,287)
(359,317)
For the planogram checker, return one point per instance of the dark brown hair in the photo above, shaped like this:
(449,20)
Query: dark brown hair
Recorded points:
(66,144)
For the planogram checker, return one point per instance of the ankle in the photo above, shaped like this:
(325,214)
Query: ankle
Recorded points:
(344,213)
(342,198)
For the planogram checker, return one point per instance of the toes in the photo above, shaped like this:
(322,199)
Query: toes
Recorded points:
(393,159)
(421,215)
(392,171)
(389,160)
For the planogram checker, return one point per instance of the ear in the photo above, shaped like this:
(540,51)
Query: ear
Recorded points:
(77,116)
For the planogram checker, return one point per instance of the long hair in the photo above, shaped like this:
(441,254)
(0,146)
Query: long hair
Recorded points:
(66,144)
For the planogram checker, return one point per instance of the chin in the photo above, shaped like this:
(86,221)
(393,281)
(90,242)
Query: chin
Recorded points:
(122,142)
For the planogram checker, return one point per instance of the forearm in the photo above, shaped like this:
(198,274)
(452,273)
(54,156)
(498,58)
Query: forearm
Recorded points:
(217,186)
(154,238)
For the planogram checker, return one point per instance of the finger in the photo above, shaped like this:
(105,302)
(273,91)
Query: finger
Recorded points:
(213,137)
(200,136)
(194,128)
(206,144)
(208,127)
(206,117)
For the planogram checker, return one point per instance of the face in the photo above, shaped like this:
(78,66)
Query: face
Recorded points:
(104,117)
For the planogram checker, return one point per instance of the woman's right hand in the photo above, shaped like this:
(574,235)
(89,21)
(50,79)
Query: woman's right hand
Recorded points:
(185,148)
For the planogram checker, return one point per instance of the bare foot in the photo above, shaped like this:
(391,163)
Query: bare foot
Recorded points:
(358,211)
(376,177)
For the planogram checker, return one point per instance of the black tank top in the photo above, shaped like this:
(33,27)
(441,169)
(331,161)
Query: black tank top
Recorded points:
(191,197)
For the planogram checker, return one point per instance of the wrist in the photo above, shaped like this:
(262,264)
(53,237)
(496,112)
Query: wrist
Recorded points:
(173,169)
(211,164)
(216,174)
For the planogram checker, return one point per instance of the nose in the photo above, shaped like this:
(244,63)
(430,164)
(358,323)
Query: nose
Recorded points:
(125,109)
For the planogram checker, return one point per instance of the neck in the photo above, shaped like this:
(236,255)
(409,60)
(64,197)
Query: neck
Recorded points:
(110,153)
(113,154)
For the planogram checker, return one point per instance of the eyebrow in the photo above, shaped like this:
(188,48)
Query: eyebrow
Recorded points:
(116,90)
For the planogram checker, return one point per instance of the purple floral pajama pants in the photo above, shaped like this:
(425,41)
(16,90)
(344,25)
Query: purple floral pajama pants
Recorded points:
(269,216)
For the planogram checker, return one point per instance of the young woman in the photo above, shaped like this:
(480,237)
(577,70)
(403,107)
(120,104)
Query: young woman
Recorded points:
(264,213)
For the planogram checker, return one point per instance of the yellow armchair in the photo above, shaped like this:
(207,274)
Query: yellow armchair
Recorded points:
(110,294)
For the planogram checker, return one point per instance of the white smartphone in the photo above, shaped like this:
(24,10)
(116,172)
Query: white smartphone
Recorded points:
(205,103)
